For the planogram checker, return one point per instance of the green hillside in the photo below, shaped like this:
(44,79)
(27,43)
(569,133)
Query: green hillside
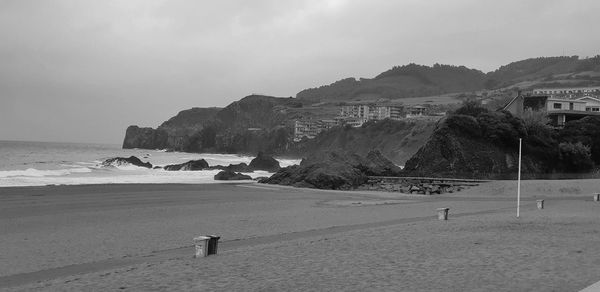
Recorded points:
(400,82)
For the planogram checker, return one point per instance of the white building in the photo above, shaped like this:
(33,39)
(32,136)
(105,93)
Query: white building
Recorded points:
(369,112)
(592,104)
(557,104)
(567,91)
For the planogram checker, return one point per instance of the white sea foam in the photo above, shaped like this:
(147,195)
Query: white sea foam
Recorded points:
(127,166)
(76,170)
(288,162)
(147,176)
(32,172)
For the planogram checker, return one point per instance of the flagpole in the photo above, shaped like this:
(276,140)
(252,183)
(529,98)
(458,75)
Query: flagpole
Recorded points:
(519,182)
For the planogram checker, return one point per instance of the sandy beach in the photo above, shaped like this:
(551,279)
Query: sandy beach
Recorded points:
(139,237)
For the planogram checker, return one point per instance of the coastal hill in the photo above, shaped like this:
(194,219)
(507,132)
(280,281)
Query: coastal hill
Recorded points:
(396,140)
(400,82)
(244,125)
(474,142)
(171,134)
(417,80)
(547,72)
(265,123)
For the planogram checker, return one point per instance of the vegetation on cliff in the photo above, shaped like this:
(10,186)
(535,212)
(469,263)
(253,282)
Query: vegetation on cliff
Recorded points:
(418,80)
(396,140)
(474,142)
(252,124)
(263,123)
(400,82)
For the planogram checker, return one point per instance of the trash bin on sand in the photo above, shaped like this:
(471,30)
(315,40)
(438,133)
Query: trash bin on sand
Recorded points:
(540,204)
(213,244)
(201,244)
(443,213)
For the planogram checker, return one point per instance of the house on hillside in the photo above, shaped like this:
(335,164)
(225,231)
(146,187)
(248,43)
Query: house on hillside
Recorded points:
(309,128)
(592,104)
(372,112)
(570,92)
(559,110)
(415,111)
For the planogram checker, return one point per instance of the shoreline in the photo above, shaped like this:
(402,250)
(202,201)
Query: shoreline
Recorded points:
(572,185)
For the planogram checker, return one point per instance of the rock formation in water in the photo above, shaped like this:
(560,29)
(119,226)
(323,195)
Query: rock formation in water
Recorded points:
(132,160)
(190,165)
(264,162)
(230,175)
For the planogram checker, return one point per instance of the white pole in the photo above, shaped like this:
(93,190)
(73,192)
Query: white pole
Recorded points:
(519,182)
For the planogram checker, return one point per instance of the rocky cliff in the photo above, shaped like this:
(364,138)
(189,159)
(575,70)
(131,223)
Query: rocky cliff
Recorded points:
(396,140)
(477,143)
(252,124)
(145,138)
(261,123)
(173,134)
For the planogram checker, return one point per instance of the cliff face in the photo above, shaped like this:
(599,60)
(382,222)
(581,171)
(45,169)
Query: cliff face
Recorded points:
(261,123)
(477,143)
(396,140)
(145,138)
(172,134)
(254,123)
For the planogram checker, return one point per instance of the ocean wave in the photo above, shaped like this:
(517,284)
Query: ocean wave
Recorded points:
(32,172)
(128,166)
(151,176)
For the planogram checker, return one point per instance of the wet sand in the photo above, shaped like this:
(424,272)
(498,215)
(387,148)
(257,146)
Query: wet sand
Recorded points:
(275,238)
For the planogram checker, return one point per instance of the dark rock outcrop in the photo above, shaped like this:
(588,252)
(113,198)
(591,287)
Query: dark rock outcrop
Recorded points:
(333,170)
(125,161)
(397,140)
(264,162)
(230,175)
(474,143)
(145,138)
(252,124)
(240,167)
(378,165)
(173,134)
(190,165)
(478,143)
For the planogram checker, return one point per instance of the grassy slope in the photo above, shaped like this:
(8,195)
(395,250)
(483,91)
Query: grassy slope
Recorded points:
(397,140)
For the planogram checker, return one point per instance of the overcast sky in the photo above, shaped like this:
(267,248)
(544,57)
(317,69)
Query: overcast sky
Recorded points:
(82,71)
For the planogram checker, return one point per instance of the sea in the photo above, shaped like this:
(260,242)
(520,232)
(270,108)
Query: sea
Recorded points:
(53,163)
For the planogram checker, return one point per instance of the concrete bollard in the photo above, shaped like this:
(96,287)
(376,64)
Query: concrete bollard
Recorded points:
(540,204)
(201,244)
(443,213)
(596,197)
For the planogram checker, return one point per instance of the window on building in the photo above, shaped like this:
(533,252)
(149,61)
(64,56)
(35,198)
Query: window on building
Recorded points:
(557,105)
(596,109)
